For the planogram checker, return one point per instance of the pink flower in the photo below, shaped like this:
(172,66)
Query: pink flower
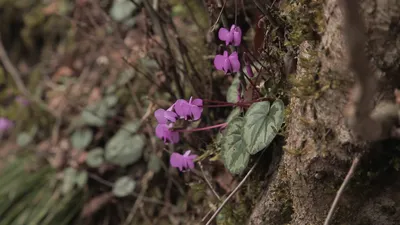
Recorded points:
(234,35)
(249,71)
(183,162)
(227,63)
(5,124)
(165,116)
(163,132)
(191,109)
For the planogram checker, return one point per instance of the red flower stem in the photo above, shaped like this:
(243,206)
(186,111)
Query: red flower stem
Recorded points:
(203,128)
(228,105)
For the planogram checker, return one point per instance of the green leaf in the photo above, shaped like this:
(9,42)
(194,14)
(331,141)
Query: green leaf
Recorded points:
(68,180)
(234,113)
(95,157)
(131,127)
(154,163)
(262,123)
(232,94)
(96,114)
(124,149)
(81,179)
(234,153)
(123,186)
(80,139)
(24,139)
(110,100)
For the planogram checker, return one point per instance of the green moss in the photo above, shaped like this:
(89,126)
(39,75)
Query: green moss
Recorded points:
(305,19)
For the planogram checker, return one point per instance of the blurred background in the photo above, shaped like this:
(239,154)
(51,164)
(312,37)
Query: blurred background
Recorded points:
(80,80)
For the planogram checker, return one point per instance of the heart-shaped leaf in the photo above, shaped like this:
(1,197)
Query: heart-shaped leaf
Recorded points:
(261,125)
(80,139)
(123,186)
(95,157)
(234,113)
(234,153)
(124,149)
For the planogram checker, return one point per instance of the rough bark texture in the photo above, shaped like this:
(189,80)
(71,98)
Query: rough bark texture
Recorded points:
(320,148)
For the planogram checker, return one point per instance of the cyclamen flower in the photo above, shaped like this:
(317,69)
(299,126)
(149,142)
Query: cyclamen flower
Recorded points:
(163,132)
(183,162)
(234,35)
(5,124)
(165,116)
(191,109)
(227,63)
(249,71)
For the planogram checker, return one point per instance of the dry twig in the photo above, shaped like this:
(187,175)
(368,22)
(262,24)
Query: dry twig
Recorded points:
(341,189)
(233,192)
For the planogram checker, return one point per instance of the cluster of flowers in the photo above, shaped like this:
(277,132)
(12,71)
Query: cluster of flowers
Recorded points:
(225,62)
(192,109)
(181,109)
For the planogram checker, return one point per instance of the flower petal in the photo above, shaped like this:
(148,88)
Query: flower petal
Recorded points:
(182,108)
(219,61)
(227,66)
(174,138)
(189,163)
(235,64)
(176,160)
(196,112)
(249,71)
(237,36)
(198,102)
(171,116)
(159,114)
(223,34)
(160,130)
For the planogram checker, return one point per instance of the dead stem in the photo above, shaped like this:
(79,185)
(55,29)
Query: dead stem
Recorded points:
(234,191)
(341,189)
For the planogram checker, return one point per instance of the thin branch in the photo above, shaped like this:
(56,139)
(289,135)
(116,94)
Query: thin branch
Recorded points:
(208,182)
(341,189)
(234,191)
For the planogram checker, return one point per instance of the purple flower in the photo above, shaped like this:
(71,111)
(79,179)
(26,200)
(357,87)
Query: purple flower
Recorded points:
(227,63)
(5,124)
(165,116)
(183,162)
(191,109)
(163,132)
(249,71)
(230,36)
